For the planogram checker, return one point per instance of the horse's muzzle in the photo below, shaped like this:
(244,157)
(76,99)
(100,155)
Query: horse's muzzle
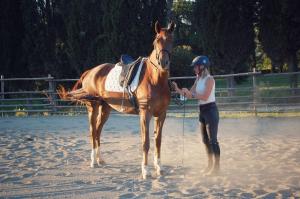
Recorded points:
(164,63)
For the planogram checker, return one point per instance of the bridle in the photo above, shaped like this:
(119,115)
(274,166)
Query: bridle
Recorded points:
(157,53)
(161,51)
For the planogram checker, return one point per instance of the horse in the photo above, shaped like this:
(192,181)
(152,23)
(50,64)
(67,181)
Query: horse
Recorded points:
(152,98)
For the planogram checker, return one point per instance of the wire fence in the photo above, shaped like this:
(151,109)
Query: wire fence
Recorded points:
(251,92)
(254,92)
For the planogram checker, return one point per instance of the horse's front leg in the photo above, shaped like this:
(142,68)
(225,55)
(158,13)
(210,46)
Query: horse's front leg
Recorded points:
(145,117)
(158,125)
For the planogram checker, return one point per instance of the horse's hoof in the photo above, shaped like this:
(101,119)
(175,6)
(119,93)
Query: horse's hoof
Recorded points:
(159,170)
(101,162)
(158,167)
(144,177)
(94,165)
(145,172)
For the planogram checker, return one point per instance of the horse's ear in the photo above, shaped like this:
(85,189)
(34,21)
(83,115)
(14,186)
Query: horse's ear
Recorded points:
(171,27)
(157,27)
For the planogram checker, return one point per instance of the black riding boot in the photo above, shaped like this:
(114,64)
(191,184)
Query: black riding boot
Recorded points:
(216,152)
(209,153)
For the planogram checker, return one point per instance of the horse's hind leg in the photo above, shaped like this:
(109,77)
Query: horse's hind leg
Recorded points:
(93,111)
(144,121)
(103,114)
(158,125)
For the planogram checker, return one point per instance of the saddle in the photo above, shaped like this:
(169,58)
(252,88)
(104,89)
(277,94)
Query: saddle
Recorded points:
(128,72)
(129,69)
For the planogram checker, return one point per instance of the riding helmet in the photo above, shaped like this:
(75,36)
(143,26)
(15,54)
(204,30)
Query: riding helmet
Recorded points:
(201,60)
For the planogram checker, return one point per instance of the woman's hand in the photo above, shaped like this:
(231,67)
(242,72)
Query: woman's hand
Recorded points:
(175,86)
(187,93)
(183,91)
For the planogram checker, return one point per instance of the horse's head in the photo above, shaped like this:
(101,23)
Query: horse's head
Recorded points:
(163,45)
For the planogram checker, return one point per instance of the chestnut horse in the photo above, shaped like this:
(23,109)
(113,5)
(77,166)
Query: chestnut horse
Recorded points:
(152,97)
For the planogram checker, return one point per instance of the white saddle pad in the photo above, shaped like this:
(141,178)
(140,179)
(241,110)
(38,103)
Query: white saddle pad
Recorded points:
(112,81)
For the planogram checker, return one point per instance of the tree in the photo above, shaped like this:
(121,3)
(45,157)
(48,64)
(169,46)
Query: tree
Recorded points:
(11,36)
(181,60)
(33,45)
(270,30)
(82,20)
(226,33)
(128,26)
(182,16)
(43,47)
(279,30)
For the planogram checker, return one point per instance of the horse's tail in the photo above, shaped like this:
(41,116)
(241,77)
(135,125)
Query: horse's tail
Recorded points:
(75,94)
(78,95)
(79,82)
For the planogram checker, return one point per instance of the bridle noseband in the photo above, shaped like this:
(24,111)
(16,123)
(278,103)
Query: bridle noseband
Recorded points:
(157,56)
(161,51)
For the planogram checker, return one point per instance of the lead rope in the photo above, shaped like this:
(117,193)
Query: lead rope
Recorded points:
(183,124)
(181,103)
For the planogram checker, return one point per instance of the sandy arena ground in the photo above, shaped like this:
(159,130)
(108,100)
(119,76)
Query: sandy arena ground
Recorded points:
(49,157)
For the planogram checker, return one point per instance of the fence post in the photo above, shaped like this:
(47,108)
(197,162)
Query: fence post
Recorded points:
(2,90)
(2,87)
(52,95)
(293,83)
(231,85)
(254,91)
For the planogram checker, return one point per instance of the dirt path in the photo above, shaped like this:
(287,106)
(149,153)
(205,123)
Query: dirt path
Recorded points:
(49,157)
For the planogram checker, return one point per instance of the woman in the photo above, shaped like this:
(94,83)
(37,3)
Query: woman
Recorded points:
(204,90)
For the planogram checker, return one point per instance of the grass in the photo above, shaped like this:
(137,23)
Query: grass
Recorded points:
(262,82)
(239,115)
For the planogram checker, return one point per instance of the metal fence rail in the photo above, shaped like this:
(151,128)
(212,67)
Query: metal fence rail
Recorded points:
(254,92)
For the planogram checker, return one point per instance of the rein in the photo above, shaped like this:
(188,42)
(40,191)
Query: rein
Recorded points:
(153,64)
